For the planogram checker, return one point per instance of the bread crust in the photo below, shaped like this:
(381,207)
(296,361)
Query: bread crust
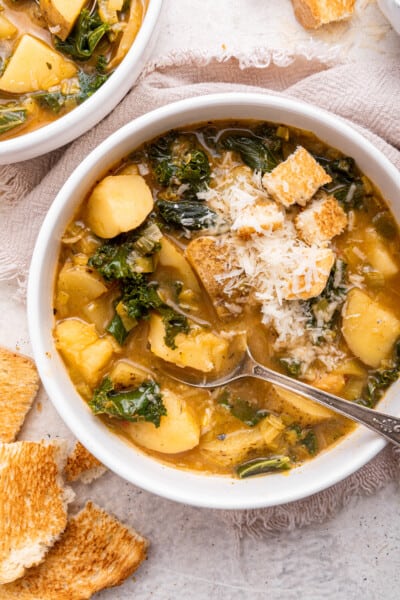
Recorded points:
(19,383)
(312,14)
(96,551)
(33,507)
(83,466)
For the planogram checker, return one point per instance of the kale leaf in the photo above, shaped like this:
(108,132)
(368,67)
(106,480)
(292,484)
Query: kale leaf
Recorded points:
(242,409)
(85,36)
(186,214)
(174,323)
(89,83)
(257,153)
(379,380)
(177,162)
(127,255)
(258,466)
(143,403)
(346,184)
(12,116)
(323,311)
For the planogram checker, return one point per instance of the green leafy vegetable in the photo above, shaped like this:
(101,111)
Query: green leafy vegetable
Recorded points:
(378,381)
(241,409)
(143,403)
(257,153)
(323,311)
(174,323)
(12,116)
(85,36)
(188,214)
(89,83)
(117,329)
(122,257)
(309,440)
(346,184)
(53,101)
(292,366)
(257,466)
(178,163)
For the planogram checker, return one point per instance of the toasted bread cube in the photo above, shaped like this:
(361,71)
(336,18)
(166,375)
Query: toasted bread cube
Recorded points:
(61,15)
(321,220)
(210,260)
(315,13)
(312,281)
(370,330)
(296,179)
(258,218)
(198,349)
(35,66)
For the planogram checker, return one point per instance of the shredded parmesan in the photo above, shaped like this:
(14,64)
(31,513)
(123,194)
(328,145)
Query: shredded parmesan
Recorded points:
(275,263)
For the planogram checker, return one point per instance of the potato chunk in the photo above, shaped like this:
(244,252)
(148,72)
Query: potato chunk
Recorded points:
(378,255)
(117,204)
(171,256)
(199,349)
(35,66)
(81,284)
(305,411)
(61,15)
(7,29)
(369,329)
(179,430)
(83,350)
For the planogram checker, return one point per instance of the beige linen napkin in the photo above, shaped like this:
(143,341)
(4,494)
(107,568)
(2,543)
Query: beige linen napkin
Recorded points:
(367,94)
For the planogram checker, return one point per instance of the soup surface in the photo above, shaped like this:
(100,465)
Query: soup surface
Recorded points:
(54,54)
(211,237)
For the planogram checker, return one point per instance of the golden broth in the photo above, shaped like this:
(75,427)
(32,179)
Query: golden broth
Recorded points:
(248,419)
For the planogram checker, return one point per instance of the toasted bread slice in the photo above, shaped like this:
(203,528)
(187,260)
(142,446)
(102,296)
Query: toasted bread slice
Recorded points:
(315,13)
(95,552)
(19,383)
(82,465)
(33,507)
(210,260)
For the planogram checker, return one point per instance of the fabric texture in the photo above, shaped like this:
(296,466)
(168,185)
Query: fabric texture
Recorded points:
(365,94)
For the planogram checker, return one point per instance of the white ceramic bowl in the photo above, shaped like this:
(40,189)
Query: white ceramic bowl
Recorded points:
(391,10)
(94,109)
(183,486)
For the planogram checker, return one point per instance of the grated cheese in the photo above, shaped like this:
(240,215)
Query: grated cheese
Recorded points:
(275,263)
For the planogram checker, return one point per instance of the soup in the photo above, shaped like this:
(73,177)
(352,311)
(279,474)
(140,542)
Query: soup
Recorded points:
(216,236)
(56,53)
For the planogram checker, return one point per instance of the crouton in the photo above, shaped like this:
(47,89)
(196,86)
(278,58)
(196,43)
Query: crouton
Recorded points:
(259,218)
(296,179)
(83,466)
(210,260)
(312,14)
(96,551)
(321,220)
(19,383)
(33,508)
(311,280)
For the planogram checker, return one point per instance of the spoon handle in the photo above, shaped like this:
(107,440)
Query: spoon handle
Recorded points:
(385,425)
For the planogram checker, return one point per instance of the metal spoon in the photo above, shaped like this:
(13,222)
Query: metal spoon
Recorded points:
(385,425)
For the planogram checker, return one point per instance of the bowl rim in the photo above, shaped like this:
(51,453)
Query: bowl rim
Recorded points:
(83,117)
(164,480)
